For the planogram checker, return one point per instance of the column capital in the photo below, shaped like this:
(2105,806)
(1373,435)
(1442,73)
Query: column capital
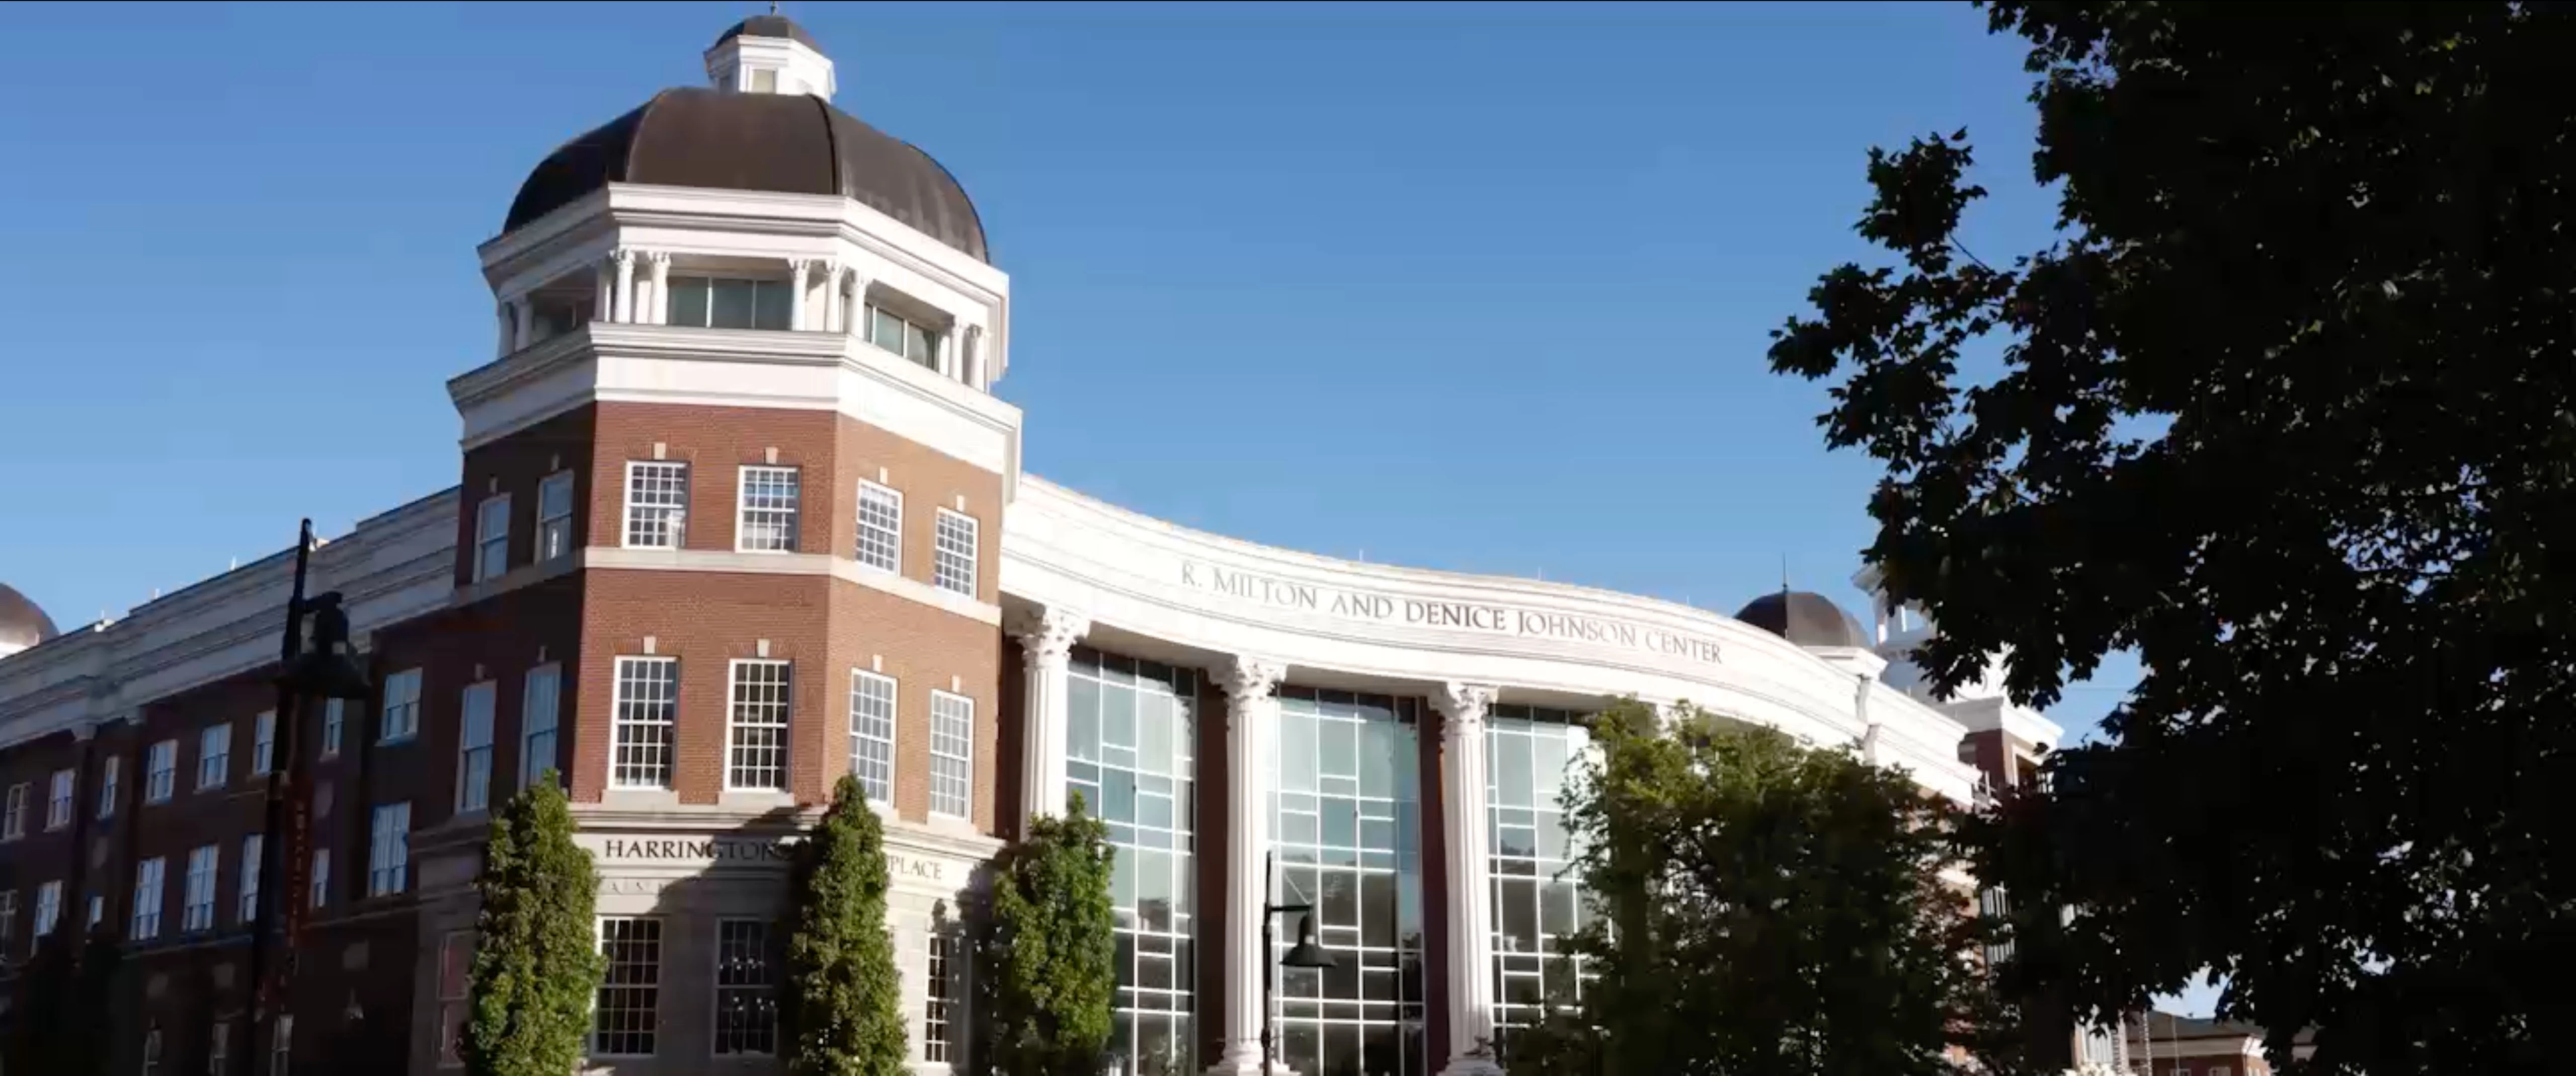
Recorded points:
(1048,631)
(1252,679)
(1464,704)
(624,257)
(656,258)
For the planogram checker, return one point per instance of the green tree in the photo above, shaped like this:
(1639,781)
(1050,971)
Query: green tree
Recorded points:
(2286,409)
(1758,908)
(536,957)
(1052,962)
(844,1011)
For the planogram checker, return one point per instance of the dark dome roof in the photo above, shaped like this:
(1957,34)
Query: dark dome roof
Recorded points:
(21,623)
(770,26)
(1805,618)
(789,143)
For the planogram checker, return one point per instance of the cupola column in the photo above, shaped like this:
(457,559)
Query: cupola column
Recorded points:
(523,322)
(1470,904)
(625,311)
(657,267)
(1046,639)
(856,324)
(1251,733)
(831,297)
(605,276)
(949,366)
(972,350)
(800,272)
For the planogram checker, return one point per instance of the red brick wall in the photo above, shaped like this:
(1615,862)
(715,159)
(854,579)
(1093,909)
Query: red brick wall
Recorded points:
(516,465)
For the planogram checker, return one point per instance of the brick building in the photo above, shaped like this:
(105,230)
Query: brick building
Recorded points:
(737,513)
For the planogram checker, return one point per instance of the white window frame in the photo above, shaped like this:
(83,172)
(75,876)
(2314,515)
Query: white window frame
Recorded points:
(59,797)
(151,1051)
(540,707)
(769,961)
(14,824)
(891,533)
(321,897)
(281,1044)
(870,311)
(492,537)
(868,690)
(335,722)
(455,996)
(743,508)
(97,911)
(214,756)
(389,849)
(149,875)
(939,999)
(951,570)
(948,746)
(623,722)
(49,908)
(8,920)
(651,991)
(107,778)
(675,534)
(760,703)
(246,897)
(219,1047)
(554,528)
(197,898)
(161,771)
(401,714)
(263,743)
(477,707)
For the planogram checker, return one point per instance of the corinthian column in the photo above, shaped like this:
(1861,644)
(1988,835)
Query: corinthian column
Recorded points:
(1251,733)
(656,308)
(1470,903)
(624,313)
(1046,636)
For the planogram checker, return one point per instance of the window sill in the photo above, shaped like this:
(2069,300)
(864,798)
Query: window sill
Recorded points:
(397,741)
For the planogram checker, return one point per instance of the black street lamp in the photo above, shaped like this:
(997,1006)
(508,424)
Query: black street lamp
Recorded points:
(326,670)
(1307,953)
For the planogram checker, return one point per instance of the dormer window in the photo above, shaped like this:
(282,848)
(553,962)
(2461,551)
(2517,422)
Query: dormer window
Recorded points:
(716,302)
(903,336)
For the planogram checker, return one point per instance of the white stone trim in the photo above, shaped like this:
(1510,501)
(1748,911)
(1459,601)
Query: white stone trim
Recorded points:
(842,568)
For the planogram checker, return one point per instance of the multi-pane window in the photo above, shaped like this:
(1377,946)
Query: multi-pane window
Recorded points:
(952,564)
(1129,729)
(872,733)
(107,776)
(58,799)
(281,1045)
(455,994)
(197,906)
(263,742)
(492,537)
(731,303)
(151,1051)
(146,924)
(901,335)
(219,1048)
(8,920)
(248,904)
(474,749)
(554,516)
(767,520)
(537,723)
(648,703)
(880,527)
(626,1017)
(937,1002)
(49,907)
(335,721)
(160,771)
(746,988)
(214,756)
(1346,829)
(402,707)
(657,504)
(1537,905)
(389,850)
(756,734)
(952,753)
(97,911)
(321,877)
(14,824)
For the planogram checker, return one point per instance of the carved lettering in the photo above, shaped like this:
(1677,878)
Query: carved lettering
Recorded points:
(1446,615)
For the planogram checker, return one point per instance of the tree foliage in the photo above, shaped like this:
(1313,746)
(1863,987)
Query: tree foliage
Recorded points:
(1052,959)
(536,957)
(1759,908)
(66,1003)
(844,1011)
(2285,409)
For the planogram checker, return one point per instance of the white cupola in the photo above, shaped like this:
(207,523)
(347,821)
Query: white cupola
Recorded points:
(769,54)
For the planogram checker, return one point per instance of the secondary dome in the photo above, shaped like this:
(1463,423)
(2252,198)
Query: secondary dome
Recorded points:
(1805,618)
(788,143)
(22,624)
(777,26)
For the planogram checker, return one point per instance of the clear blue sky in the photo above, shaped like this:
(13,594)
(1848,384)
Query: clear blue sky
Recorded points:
(1473,288)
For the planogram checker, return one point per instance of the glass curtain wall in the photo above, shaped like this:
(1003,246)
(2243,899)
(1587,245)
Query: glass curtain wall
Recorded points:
(1346,813)
(1129,730)
(1537,905)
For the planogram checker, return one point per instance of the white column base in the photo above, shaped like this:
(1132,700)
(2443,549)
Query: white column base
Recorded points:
(1247,1065)
(1471,1066)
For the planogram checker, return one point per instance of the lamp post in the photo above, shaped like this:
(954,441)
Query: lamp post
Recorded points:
(325,670)
(1305,954)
